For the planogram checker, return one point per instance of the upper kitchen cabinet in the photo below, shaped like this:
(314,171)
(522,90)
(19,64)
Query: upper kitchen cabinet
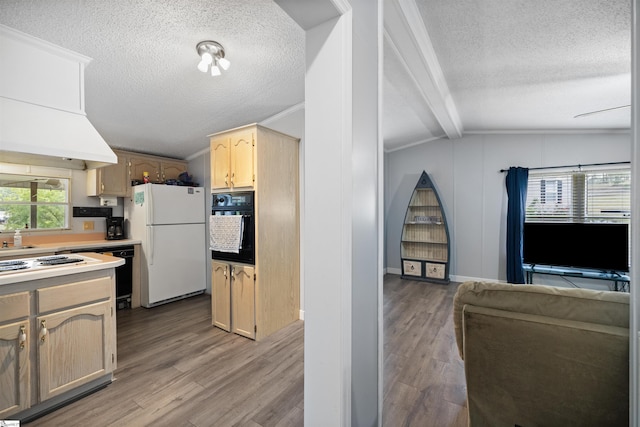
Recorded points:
(232,159)
(115,180)
(139,164)
(160,169)
(110,180)
(171,169)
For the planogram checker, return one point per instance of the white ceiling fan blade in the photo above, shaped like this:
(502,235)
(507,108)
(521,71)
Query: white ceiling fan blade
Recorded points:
(600,111)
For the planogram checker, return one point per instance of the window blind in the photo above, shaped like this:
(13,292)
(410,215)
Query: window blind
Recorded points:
(582,196)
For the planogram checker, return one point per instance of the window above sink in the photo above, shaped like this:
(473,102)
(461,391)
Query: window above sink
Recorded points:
(34,202)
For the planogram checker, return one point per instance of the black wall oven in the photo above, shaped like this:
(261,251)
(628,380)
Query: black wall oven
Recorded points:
(237,203)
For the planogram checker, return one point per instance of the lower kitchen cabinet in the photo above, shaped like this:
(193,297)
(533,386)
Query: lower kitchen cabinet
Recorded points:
(56,337)
(15,370)
(221,295)
(243,298)
(233,298)
(74,348)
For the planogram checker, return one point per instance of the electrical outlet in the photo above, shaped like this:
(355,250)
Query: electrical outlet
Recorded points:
(87,225)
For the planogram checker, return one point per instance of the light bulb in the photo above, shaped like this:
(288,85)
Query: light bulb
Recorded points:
(215,71)
(203,66)
(207,58)
(224,63)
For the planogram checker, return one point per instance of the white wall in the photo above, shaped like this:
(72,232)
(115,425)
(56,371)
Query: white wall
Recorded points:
(466,175)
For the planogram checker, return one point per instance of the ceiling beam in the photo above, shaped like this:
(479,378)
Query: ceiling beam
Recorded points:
(406,33)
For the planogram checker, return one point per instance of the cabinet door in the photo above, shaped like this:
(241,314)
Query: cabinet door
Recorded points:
(243,308)
(14,368)
(171,170)
(110,180)
(220,296)
(74,347)
(140,164)
(220,152)
(113,179)
(242,144)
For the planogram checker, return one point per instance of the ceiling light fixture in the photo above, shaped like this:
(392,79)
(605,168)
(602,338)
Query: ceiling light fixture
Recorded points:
(212,57)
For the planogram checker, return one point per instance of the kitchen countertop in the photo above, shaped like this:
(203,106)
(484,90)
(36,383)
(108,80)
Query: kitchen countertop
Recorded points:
(64,246)
(94,262)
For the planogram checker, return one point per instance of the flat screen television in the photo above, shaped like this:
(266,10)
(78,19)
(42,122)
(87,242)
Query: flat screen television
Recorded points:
(595,246)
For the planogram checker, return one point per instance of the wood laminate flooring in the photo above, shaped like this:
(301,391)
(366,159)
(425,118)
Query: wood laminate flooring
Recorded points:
(175,369)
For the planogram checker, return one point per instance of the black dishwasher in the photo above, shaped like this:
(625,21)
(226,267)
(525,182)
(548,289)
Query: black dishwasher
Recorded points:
(124,272)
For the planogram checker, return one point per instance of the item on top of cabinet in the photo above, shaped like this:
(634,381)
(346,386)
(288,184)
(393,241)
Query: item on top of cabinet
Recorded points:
(17,239)
(185,177)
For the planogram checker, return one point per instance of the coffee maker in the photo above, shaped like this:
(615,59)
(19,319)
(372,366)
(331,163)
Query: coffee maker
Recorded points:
(115,228)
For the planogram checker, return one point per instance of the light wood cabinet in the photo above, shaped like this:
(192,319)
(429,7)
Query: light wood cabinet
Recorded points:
(160,169)
(74,348)
(76,345)
(15,331)
(171,169)
(110,180)
(56,337)
(221,295)
(115,180)
(233,298)
(269,300)
(243,309)
(232,160)
(138,164)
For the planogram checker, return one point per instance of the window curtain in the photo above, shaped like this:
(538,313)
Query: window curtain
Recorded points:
(516,182)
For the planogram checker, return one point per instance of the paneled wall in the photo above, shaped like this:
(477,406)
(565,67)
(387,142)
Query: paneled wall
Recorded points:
(466,174)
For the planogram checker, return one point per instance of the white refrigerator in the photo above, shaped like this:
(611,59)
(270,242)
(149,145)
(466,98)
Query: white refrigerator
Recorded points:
(170,222)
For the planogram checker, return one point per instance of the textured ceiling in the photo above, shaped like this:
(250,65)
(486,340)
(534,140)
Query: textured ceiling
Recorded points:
(143,90)
(505,65)
(512,66)
(520,64)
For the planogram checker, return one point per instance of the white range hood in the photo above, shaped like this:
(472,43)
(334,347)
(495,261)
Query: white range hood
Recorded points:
(42,117)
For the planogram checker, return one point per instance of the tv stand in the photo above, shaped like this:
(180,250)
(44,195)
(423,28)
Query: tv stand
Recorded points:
(620,280)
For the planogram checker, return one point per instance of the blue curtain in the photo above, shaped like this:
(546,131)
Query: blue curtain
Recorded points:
(517,193)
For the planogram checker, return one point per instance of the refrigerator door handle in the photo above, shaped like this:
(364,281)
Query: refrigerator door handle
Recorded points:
(150,244)
(149,207)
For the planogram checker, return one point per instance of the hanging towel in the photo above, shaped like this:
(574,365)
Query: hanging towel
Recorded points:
(225,233)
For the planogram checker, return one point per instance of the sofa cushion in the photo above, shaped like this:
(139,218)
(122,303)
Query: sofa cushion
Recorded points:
(530,370)
(583,305)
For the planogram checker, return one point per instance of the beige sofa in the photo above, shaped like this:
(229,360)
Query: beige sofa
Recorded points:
(543,356)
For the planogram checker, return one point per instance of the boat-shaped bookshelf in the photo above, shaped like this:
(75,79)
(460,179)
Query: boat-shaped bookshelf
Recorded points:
(424,248)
